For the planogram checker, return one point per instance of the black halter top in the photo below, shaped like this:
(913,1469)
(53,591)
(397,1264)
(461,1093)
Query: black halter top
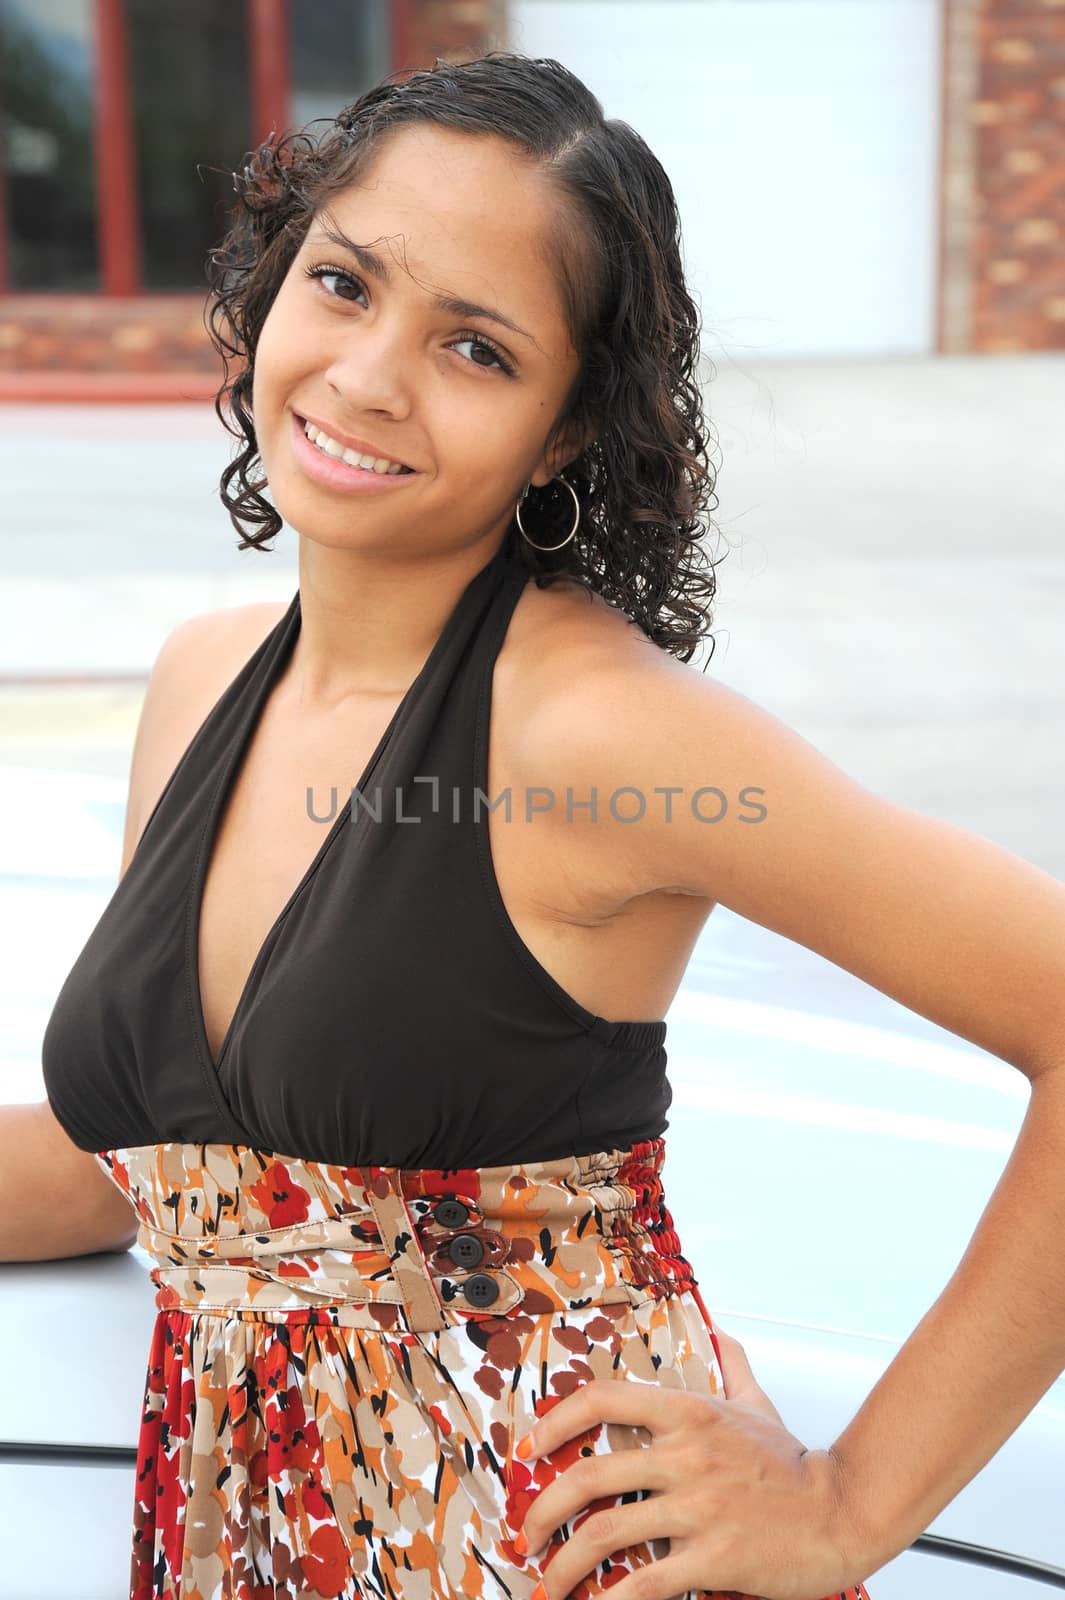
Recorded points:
(393,1014)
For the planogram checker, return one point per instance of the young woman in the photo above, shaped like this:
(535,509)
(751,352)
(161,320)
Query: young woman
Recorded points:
(385,1088)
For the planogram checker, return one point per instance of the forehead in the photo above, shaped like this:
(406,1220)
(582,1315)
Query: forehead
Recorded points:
(467,214)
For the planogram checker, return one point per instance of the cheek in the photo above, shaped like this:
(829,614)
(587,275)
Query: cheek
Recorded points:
(485,441)
(268,358)
(261,386)
(283,349)
(279,364)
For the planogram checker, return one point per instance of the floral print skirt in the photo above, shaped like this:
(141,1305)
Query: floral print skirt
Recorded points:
(345,1357)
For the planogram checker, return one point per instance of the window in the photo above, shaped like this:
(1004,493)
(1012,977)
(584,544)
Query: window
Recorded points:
(136,200)
(190,94)
(338,51)
(47,181)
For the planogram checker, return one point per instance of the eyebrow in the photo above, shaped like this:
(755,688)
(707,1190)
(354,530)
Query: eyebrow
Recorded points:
(375,267)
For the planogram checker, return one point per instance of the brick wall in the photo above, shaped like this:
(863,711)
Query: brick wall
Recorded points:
(94,346)
(1003,262)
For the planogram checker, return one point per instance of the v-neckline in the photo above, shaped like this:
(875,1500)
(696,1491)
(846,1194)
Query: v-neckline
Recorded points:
(279,648)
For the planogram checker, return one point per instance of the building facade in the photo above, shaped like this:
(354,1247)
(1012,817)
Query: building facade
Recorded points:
(107,106)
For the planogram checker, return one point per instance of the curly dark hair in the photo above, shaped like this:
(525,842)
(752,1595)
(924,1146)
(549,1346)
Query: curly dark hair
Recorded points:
(645,482)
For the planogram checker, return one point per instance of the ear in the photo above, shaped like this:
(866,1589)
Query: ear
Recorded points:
(571,440)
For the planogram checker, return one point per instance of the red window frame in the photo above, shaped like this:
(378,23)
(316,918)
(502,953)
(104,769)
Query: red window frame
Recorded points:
(116,191)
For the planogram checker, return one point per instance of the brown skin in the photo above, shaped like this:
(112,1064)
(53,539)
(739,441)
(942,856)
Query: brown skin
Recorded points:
(580,698)
(941,920)
(379,573)
(621,951)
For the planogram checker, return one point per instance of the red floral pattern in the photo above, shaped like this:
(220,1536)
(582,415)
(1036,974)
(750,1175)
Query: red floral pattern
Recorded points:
(325,1415)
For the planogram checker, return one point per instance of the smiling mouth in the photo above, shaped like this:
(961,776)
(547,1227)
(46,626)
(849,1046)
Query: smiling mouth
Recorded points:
(394,470)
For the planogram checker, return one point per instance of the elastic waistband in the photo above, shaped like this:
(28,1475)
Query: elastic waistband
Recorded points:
(241,1232)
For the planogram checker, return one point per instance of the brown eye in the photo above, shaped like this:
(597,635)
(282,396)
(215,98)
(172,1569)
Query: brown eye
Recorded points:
(497,360)
(480,343)
(335,272)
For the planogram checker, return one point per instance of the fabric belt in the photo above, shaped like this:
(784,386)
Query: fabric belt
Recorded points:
(377,1247)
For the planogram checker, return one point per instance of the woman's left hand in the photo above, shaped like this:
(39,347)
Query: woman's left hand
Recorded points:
(744,1504)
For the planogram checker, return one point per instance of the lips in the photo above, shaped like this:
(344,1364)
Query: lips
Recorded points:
(338,476)
(359,446)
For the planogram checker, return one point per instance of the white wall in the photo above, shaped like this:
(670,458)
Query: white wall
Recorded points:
(802,141)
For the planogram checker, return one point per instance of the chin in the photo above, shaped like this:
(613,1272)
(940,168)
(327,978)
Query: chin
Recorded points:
(349,537)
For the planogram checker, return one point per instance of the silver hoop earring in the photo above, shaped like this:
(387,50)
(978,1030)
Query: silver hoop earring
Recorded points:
(576,516)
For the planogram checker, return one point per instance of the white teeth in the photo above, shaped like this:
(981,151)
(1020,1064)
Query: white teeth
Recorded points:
(330,447)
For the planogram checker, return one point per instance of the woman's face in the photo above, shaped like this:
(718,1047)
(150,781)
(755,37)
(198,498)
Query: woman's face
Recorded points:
(369,352)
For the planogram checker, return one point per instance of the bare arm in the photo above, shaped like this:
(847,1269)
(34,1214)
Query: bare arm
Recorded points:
(55,1199)
(943,920)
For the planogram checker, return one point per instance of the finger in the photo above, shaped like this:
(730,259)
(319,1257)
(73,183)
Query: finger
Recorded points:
(614,1472)
(627,1400)
(657,1580)
(740,1381)
(618,1534)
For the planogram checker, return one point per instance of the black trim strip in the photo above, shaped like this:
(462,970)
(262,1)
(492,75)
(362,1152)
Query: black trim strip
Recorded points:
(934,1544)
(73,1455)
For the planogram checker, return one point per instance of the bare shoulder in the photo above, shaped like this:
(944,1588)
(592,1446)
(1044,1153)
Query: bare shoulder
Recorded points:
(579,688)
(564,633)
(197,661)
(701,791)
(569,657)
(683,769)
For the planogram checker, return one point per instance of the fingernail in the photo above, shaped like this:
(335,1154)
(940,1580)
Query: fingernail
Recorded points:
(539,1593)
(521,1544)
(524,1446)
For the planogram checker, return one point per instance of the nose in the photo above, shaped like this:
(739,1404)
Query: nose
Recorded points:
(371,368)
